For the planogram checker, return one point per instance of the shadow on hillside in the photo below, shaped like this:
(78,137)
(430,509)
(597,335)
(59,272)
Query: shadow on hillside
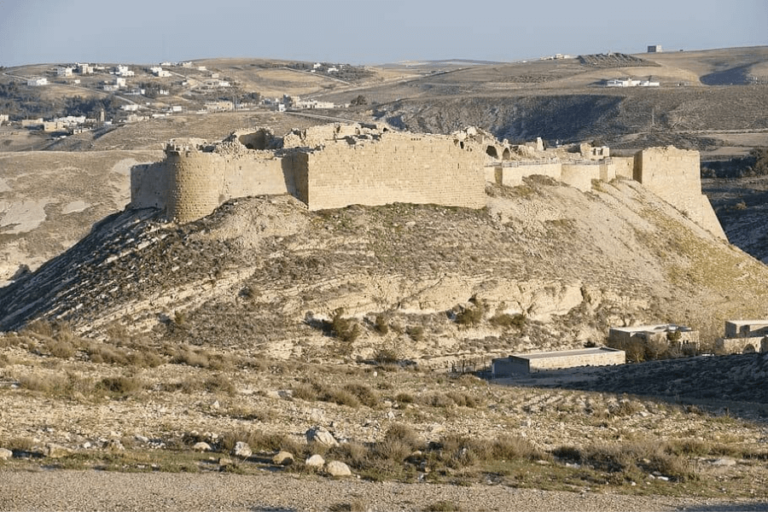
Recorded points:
(721,385)
(735,507)
(732,76)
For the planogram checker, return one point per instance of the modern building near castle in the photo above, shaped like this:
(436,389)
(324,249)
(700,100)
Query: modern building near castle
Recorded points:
(333,166)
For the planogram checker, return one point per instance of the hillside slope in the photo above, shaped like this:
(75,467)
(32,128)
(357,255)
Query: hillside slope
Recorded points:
(263,274)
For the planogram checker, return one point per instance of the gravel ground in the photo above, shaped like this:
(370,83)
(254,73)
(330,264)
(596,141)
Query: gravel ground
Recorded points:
(94,490)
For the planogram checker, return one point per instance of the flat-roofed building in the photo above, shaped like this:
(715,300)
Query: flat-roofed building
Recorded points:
(524,364)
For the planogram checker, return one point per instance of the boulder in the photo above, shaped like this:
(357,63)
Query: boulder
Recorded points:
(5,454)
(242,450)
(321,436)
(338,469)
(315,461)
(223,461)
(283,458)
(202,447)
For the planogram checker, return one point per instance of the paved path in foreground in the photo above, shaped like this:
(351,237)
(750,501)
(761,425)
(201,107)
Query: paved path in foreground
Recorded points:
(95,490)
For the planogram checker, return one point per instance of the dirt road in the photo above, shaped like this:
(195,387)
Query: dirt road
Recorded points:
(96,490)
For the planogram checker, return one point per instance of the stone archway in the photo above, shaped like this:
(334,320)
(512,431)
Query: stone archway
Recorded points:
(491,151)
(506,154)
(749,349)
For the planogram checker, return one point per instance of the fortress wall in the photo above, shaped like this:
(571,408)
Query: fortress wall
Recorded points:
(580,176)
(149,186)
(624,167)
(674,175)
(254,173)
(607,172)
(194,185)
(403,168)
(513,176)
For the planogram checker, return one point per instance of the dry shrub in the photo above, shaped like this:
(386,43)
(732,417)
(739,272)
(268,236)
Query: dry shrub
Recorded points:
(506,321)
(404,398)
(404,434)
(509,447)
(67,385)
(443,506)
(259,441)
(632,458)
(120,386)
(381,324)
(470,316)
(436,400)
(463,399)
(363,393)
(386,356)
(345,329)
(341,397)
(356,505)
(60,349)
(415,332)
(219,383)
(353,454)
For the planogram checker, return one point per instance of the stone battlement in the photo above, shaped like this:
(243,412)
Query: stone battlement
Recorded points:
(337,165)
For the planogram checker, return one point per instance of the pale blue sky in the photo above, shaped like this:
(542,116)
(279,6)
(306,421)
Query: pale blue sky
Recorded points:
(365,31)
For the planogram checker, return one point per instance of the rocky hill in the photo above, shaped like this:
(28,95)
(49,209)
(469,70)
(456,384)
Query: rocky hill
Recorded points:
(426,283)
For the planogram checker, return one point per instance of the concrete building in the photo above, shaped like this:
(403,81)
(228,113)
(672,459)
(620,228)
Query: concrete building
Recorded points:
(37,82)
(654,48)
(63,71)
(743,336)
(525,364)
(4,118)
(120,81)
(124,71)
(666,333)
(84,69)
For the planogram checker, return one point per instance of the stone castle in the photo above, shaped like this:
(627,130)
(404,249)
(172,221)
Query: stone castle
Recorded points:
(333,166)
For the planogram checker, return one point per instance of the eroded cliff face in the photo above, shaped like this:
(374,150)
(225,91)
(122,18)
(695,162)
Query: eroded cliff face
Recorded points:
(429,282)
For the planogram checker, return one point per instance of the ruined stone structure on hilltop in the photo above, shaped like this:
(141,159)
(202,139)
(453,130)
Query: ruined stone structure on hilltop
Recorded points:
(333,166)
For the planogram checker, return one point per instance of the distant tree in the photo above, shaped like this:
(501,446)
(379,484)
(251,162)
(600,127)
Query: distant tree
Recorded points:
(359,101)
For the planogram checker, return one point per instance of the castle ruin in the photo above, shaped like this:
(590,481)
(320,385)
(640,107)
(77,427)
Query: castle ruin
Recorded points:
(333,166)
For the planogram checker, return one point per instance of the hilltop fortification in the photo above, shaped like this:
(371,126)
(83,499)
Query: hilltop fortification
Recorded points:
(338,165)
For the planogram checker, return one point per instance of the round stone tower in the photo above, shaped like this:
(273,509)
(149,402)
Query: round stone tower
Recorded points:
(194,186)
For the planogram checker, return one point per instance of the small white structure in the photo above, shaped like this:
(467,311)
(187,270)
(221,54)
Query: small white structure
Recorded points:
(312,104)
(63,71)
(130,108)
(120,81)
(524,364)
(202,68)
(186,64)
(111,87)
(176,108)
(654,48)
(37,82)
(333,69)
(84,69)
(4,118)
(163,92)
(316,65)
(618,82)
(648,83)
(123,71)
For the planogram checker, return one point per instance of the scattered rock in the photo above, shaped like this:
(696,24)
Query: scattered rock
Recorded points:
(242,450)
(114,445)
(283,458)
(55,451)
(202,447)
(338,469)
(315,461)
(321,436)
(5,454)
(141,439)
(224,461)
(724,461)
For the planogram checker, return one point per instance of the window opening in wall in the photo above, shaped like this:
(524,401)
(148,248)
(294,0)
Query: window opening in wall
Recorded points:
(491,151)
